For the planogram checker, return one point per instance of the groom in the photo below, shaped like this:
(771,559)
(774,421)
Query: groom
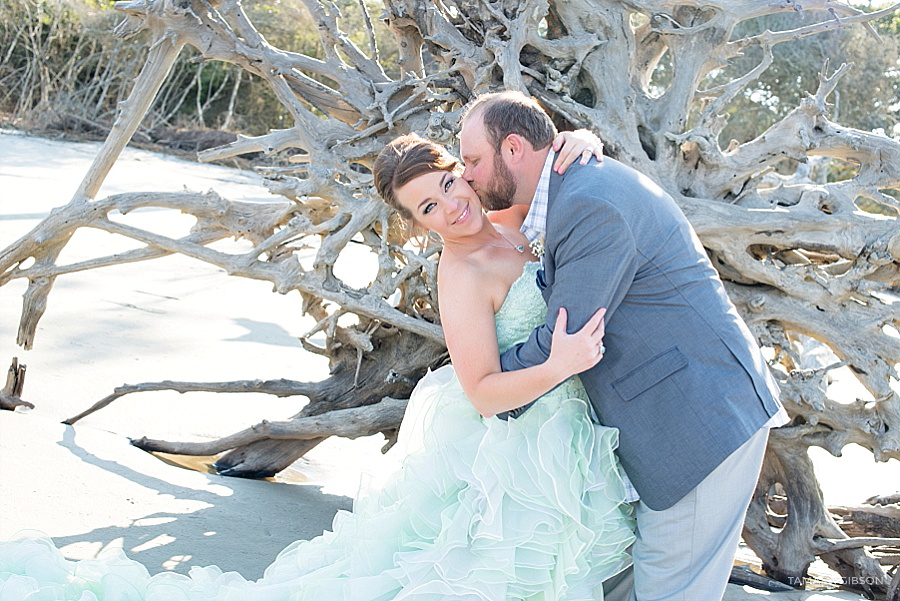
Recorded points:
(682,377)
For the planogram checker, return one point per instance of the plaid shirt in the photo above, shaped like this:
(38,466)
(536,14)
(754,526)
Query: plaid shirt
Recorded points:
(535,225)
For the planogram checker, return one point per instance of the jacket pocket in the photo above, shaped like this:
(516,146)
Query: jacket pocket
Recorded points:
(650,373)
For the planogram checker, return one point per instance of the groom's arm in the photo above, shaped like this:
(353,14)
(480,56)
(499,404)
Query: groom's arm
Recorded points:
(596,260)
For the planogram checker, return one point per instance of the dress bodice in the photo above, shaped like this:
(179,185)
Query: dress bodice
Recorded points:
(522,311)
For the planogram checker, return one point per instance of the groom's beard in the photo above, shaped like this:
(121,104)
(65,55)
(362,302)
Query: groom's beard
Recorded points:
(502,188)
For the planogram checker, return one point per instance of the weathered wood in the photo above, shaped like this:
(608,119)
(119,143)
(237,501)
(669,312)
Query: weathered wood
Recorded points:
(893,592)
(160,60)
(802,261)
(890,499)
(263,458)
(362,383)
(868,521)
(279,388)
(394,363)
(348,423)
(806,529)
(11,395)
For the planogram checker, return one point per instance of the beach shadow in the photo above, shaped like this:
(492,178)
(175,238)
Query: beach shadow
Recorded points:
(264,333)
(242,531)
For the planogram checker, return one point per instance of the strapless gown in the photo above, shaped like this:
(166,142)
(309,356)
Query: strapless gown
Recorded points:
(478,509)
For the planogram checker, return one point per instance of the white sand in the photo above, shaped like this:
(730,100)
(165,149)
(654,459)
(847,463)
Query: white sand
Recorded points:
(179,319)
(171,318)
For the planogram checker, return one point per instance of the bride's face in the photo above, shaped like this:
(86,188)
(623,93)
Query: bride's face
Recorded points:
(442,202)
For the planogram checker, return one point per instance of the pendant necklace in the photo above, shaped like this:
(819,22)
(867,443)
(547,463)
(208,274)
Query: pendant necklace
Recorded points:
(520,248)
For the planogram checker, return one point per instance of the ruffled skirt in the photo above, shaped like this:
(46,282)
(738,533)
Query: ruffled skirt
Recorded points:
(481,509)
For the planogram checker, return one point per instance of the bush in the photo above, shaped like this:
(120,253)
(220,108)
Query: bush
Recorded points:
(61,68)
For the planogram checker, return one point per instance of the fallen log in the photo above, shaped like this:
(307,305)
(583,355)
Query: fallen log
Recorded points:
(876,521)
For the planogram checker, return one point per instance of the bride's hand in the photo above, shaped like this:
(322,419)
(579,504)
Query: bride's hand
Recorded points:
(578,145)
(572,354)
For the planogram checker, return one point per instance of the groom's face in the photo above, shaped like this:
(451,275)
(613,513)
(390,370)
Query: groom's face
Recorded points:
(486,171)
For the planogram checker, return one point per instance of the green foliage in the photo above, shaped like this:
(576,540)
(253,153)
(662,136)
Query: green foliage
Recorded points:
(62,68)
(867,97)
(59,58)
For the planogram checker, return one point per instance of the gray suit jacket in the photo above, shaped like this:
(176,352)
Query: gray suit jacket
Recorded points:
(683,378)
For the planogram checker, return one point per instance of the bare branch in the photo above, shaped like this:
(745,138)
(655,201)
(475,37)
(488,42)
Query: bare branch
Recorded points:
(348,423)
(279,388)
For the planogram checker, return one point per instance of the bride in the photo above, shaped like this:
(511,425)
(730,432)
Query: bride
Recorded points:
(481,508)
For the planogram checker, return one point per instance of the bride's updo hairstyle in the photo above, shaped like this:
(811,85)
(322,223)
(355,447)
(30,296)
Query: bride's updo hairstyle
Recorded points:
(405,159)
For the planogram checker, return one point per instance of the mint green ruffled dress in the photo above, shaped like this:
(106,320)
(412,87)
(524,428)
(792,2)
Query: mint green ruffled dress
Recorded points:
(479,509)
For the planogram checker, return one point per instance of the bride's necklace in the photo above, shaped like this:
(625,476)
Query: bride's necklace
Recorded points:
(520,248)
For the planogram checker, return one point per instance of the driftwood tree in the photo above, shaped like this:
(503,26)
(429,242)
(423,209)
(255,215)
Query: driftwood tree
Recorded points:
(804,259)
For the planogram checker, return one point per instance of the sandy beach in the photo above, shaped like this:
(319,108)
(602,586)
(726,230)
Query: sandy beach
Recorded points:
(178,319)
(171,318)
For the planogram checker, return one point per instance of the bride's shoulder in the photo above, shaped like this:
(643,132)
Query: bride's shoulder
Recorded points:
(470,267)
(472,275)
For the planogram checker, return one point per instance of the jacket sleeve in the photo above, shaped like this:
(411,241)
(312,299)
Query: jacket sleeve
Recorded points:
(595,258)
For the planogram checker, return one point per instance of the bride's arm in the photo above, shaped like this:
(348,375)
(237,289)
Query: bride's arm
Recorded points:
(467,316)
(579,145)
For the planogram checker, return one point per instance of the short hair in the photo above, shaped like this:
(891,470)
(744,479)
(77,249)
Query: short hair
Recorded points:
(405,159)
(511,112)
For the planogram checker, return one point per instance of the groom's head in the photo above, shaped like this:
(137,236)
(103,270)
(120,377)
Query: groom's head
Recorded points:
(503,141)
